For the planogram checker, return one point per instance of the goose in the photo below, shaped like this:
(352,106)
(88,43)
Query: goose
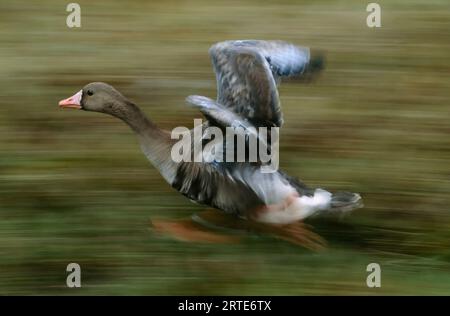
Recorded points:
(248,73)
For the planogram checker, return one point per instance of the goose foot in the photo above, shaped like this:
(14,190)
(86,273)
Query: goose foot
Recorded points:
(214,227)
(297,233)
(187,230)
(300,234)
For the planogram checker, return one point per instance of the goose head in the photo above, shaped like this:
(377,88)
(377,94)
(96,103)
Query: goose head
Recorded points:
(96,97)
(102,97)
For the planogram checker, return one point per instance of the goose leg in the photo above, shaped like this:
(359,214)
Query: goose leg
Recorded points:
(187,230)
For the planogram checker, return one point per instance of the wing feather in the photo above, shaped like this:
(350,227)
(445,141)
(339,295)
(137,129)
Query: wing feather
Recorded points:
(247,73)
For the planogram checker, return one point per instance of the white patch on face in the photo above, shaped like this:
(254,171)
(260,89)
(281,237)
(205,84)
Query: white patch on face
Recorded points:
(72,102)
(78,96)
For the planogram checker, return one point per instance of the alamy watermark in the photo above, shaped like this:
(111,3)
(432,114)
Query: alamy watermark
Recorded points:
(74,277)
(374,277)
(374,17)
(239,144)
(74,18)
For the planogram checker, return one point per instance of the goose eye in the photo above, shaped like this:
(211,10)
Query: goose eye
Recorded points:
(89,92)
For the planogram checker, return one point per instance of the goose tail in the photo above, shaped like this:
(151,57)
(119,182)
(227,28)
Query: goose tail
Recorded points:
(345,202)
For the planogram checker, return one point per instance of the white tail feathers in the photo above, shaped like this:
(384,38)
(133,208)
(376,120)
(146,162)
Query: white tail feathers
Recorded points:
(295,208)
(345,202)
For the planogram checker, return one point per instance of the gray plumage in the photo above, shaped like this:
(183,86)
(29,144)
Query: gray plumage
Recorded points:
(247,74)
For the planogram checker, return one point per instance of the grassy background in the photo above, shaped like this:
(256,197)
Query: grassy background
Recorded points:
(74,186)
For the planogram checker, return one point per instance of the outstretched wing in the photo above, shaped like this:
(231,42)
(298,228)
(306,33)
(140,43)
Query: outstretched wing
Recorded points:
(247,73)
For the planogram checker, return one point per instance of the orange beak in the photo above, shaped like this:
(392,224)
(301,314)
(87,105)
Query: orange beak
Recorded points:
(74,102)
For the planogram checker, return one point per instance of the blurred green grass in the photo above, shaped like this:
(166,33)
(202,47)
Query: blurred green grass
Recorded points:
(74,186)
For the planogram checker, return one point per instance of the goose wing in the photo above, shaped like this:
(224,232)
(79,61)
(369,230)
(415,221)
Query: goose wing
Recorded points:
(214,184)
(247,73)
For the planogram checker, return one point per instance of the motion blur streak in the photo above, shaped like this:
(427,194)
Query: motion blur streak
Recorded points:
(75,187)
